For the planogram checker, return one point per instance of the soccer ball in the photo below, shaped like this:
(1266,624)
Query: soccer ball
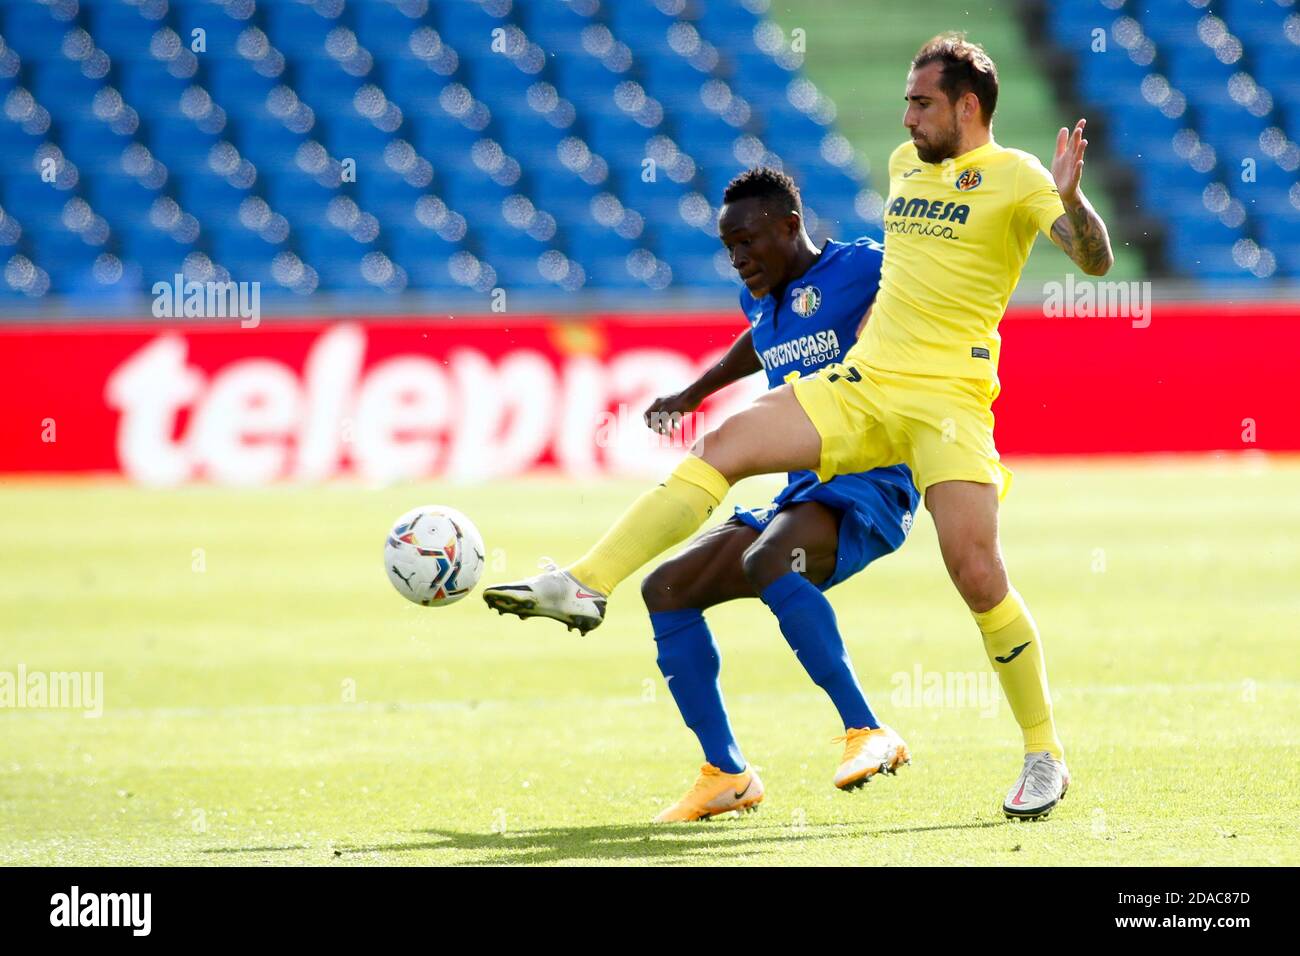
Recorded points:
(433,555)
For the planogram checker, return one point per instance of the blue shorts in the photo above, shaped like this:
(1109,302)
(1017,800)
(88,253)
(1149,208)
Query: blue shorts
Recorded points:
(876,509)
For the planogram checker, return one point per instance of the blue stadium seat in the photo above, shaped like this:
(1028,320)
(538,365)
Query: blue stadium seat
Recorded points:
(212,200)
(151,89)
(17,148)
(672,81)
(159,255)
(1256,22)
(728,25)
(1109,79)
(1195,70)
(586,82)
(267,143)
(620,140)
(498,82)
(120,30)
(757,77)
(31,30)
(298,30)
(64,90)
(122,199)
(384,29)
(239,88)
(554,25)
(93,146)
(337,257)
(443,138)
(221,30)
(36,204)
(517,273)
(66,258)
(1170,23)
(299,198)
(611,272)
(1207,261)
(179,143)
(468,26)
(324,85)
(354,137)
(642,26)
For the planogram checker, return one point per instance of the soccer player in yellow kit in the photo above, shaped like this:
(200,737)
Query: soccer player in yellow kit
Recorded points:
(917,387)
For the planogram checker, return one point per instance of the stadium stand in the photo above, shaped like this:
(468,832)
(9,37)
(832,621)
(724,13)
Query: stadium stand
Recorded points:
(390,145)
(1202,100)
(448,146)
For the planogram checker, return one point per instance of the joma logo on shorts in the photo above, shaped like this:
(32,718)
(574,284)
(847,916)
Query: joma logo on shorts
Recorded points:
(926,209)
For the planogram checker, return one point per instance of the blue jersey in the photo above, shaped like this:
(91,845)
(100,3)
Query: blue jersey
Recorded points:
(817,319)
(815,324)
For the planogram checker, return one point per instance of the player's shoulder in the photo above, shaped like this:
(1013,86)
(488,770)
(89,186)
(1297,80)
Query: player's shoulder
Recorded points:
(862,254)
(1020,159)
(863,247)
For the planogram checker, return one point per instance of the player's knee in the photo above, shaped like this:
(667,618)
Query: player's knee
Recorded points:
(768,560)
(722,449)
(981,580)
(662,590)
(765,562)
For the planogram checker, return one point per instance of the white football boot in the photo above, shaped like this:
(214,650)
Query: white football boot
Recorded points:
(1042,785)
(868,752)
(554,594)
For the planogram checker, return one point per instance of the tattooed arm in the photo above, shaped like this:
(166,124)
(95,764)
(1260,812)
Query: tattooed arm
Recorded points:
(1080,232)
(1082,236)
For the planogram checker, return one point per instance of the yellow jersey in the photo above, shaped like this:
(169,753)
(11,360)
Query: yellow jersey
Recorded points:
(957,235)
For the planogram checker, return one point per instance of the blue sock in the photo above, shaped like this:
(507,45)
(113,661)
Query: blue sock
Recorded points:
(688,659)
(808,622)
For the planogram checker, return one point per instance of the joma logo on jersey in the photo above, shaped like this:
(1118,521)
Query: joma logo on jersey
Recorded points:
(805,301)
(925,209)
(969,179)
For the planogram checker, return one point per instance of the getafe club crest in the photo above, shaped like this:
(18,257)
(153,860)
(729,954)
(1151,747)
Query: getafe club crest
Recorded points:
(806,300)
(969,179)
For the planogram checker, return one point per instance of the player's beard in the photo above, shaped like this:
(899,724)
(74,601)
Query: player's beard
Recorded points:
(937,149)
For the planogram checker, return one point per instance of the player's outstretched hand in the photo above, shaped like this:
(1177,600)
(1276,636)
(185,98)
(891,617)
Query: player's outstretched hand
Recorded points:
(665,413)
(1067,164)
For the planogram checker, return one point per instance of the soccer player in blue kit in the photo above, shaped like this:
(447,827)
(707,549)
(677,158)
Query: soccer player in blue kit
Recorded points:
(805,308)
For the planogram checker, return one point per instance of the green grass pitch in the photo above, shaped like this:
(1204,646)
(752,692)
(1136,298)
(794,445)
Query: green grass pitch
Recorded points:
(268,699)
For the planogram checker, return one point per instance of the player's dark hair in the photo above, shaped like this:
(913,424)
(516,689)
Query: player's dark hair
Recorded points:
(966,69)
(764,182)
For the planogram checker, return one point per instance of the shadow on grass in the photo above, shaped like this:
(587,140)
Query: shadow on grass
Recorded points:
(656,844)
(946,826)
(686,843)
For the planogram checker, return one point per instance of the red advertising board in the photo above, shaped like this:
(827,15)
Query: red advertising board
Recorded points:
(390,399)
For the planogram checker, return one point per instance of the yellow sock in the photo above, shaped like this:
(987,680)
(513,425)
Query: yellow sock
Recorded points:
(656,521)
(1016,652)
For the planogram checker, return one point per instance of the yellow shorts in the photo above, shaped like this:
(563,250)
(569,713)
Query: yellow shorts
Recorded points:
(940,427)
